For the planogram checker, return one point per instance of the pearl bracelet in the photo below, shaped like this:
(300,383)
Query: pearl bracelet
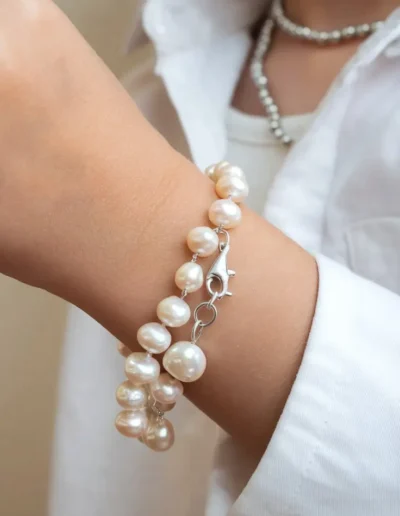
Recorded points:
(147,393)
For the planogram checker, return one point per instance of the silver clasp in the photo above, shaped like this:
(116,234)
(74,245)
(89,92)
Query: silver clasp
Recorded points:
(219,270)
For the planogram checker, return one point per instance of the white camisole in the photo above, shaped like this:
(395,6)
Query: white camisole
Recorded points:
(252,147)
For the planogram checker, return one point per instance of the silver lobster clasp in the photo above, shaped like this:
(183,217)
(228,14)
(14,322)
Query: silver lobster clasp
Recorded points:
(219,271)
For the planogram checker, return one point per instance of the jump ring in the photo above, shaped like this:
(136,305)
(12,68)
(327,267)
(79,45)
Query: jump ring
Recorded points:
(205,305)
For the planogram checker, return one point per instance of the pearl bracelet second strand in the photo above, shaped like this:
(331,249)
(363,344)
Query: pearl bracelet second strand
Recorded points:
(148,393)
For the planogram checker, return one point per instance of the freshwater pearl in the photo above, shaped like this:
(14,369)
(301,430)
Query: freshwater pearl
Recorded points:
(185,361)
(202,241)
(189,277)
(131,396)
(160,435)
(165,407)
(173,311)
(166,389)
(140,368)
(154,338)
(234,187)
(123,350)
(132,423)
(227,170)
(225,213)
(209,172)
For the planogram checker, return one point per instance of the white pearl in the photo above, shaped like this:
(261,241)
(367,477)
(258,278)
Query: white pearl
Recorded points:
(173,311)
(225,213)
(140,368)
(189,277)
(154,338)
(165,407)
(166,389)
(132,423)
(234,187)
(227,170)
(123,350)
(131,396)
(185,361)
(203,241)
(160,435)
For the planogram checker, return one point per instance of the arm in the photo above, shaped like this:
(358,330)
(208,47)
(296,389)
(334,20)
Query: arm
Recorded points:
(336,444)
(95,207)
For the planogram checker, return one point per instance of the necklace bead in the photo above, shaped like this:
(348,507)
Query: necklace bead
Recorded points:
(278,18)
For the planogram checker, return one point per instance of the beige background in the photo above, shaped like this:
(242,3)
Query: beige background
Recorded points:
(32,322)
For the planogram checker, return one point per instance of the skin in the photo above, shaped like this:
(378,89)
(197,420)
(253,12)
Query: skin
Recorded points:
(313,67)
(95,207)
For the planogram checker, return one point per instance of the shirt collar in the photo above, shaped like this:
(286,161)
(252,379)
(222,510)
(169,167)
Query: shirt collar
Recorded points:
(174,25)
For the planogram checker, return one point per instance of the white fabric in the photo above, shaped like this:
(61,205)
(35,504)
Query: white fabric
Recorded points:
(335,450)
(252,146)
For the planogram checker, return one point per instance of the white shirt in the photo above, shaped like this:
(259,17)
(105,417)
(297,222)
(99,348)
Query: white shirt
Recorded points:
(336,447)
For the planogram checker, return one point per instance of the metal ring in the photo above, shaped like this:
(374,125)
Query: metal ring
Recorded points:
(211,307)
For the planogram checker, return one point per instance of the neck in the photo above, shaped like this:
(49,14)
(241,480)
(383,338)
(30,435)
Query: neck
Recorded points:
(330,15)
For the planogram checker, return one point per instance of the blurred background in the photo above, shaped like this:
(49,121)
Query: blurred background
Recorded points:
(32,322)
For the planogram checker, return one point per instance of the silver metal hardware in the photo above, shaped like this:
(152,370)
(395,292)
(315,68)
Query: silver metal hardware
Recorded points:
(211,308)
(197,330)
(217,283)
(219,271)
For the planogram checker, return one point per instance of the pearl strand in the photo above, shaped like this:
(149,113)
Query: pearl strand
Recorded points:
(148,393)
(322,37)
(278,18)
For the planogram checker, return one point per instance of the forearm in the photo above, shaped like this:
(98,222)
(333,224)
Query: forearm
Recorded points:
(127,263)
(95,207)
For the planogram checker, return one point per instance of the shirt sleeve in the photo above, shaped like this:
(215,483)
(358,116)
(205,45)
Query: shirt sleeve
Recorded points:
(336,449)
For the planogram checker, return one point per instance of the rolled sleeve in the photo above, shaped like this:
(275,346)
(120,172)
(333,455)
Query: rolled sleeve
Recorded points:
(336,449)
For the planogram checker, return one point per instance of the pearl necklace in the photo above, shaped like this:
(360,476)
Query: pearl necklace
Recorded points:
(278,18)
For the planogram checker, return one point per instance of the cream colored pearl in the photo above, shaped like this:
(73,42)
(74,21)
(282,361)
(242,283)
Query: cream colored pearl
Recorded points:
(165,407)
(225,213)
(132,423)
(203,241)
(160,435)
(227,170)
(131,396)
(173,311)
(189,277)
(154,338)
(166,389)
(185,361)
(234,187)
(209,172)
(140,368)
(123,350)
